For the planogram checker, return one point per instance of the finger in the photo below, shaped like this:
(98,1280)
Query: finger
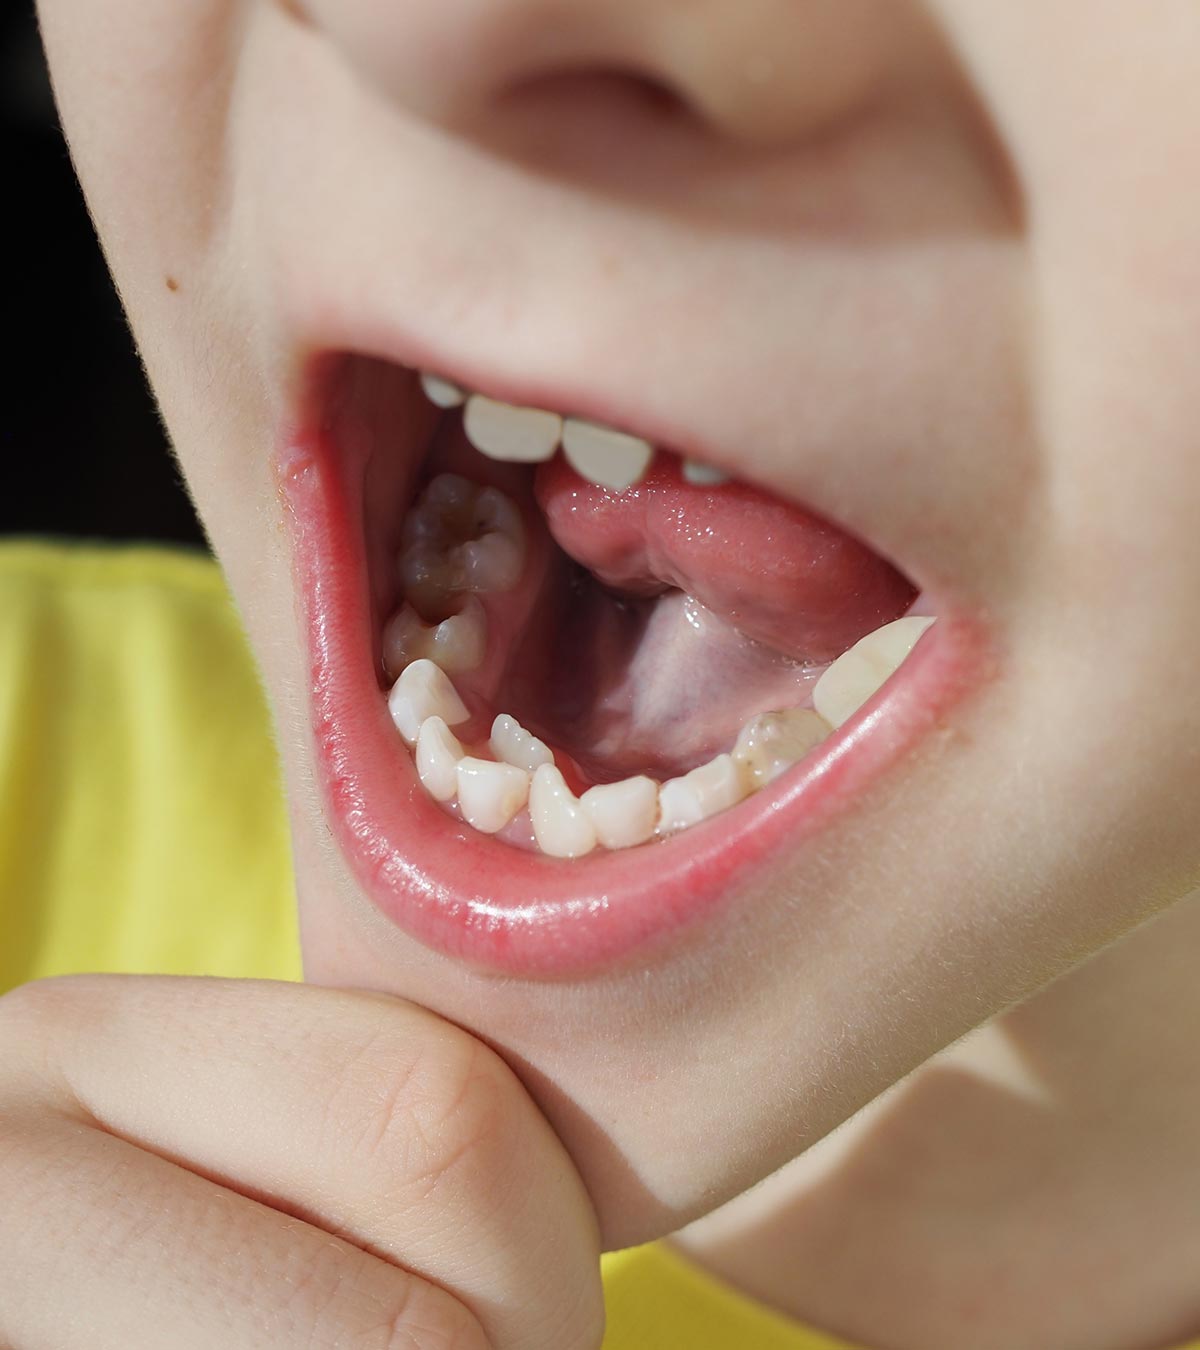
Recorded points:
(104,1246)
(364,1115)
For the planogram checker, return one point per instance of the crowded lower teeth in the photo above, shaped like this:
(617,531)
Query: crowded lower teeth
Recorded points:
(463,547)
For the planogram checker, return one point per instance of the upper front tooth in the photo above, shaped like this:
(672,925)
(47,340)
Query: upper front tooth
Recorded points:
(774,741)
(457,644)
(561,826)
(703,475)
(623,814)
(490,794)
(422,691)
(438,754)
(863,670)
(514,745)
(515,435)
(702,793)
(443,393)
(609,458)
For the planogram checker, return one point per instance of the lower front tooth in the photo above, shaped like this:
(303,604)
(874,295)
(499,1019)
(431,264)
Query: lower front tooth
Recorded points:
(609,458)
(561,826)
(711,788)
(774,741)
(858,674)
(457,644)
(623,814)
(421,692)
(490,794)
(439,752)
(514,435)
(514,745)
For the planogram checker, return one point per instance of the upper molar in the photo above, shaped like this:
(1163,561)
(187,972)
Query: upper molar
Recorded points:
(858,674)
(514,435)
(608,458)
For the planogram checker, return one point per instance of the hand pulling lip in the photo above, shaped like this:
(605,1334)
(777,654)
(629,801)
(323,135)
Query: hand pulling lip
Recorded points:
(472,898)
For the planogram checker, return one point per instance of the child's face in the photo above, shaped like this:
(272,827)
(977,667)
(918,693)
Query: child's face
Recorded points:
(929,270)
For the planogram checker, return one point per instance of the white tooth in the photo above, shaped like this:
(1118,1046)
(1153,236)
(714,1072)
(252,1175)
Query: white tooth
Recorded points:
(623,814)
(490,794)
(561,826)
(774,741)
(493,563)
(438,753)
(497,513)
(457,644)
(515,435)
(423,690)
(514,745)
(697,795)
(443,393)
(703,475)
(609,458)
(860,672)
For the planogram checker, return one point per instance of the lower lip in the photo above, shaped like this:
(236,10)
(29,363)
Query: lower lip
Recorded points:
(475,899)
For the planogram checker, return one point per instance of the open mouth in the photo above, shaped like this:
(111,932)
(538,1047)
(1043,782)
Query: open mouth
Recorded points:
(569,686)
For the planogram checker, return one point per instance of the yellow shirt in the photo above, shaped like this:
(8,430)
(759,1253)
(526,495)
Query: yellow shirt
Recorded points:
(142,829)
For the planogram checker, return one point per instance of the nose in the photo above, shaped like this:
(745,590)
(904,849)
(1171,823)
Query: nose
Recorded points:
(758,71)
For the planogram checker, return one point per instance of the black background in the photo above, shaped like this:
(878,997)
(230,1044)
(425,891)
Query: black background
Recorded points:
(84,453)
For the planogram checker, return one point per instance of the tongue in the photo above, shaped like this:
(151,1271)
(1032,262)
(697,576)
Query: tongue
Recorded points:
(776,573)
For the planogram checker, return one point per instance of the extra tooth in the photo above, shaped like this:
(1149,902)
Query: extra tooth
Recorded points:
(422,691)
(863,670)
(443,393)
(774,741)
(697,795)
(490,794)
(562,828)
(457,644)
(608,458)
(703,475)
(514,745)
(438,754)
(623,814)
(514,435)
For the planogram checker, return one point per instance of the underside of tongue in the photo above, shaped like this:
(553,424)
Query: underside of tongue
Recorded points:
(776,573)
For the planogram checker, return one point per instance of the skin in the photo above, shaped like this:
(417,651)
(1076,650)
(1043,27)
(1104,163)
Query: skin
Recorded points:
(977,212)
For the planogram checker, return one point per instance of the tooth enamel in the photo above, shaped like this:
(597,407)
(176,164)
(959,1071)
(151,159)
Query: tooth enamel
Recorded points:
(511,743)
(442,393)
(514,435)
(623,814)
(860,672)
(460,537)
(490,794)
(457,644)
(702,793)
(438,754)
(703,475)
(492,563)
(774,741)
(561,826)
(609,458)
(422,691)
(431,578)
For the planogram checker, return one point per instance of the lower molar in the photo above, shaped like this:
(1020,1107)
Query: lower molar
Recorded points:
(771,743)
(457,644)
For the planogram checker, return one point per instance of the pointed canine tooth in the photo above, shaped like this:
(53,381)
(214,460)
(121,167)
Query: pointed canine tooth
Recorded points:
(623,814)
(609,458)
(457,644)
(697,795)
(423,690)
(863,670)
(774,741)
(514,435)
(561,826)
(514,745)
(442,393)
(703,475)
(438,754)
(490,794)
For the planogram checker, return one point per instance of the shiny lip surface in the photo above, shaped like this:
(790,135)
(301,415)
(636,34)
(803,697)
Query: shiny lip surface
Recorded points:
(472,898)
